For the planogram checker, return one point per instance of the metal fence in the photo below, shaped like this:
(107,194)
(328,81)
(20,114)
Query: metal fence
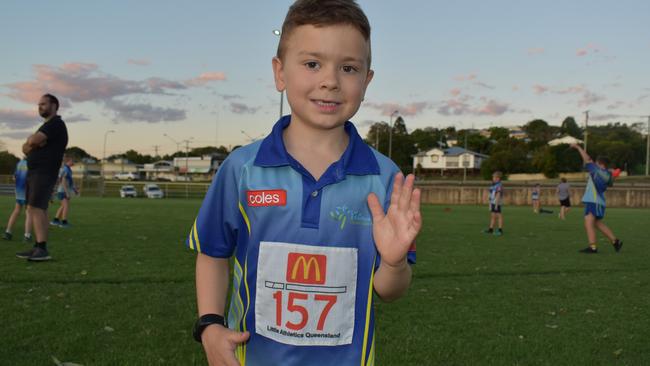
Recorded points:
(110,188)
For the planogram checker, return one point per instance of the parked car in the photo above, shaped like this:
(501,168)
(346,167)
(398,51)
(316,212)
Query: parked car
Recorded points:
(125,176)
(128,191)
(152,191)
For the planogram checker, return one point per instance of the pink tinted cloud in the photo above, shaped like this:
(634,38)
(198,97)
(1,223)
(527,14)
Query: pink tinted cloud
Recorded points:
(205,78)
(536,51)
(493,108)
(411,109)
(19,119)
(139,62)
(540,89)
(465,77)
(455,92)
(591,48)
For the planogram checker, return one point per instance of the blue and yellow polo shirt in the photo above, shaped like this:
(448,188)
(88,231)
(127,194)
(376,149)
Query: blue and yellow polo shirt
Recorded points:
(21,179)
(303,252)
(597,183)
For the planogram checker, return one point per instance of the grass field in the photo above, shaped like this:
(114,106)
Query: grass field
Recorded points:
(120,291)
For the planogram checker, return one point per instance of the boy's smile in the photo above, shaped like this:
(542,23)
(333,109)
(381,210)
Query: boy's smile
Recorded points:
(325,74)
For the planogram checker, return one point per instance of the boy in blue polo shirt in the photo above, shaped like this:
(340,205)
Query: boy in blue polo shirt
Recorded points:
(64,193)
(20,178)
(594,199)
(314,220)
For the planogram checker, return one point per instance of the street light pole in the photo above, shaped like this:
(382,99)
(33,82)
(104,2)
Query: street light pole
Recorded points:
(390,134)
(278,33)
(647,149)
(104,153)
(174,141)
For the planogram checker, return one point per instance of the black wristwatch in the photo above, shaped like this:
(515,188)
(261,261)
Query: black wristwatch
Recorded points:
(204,321)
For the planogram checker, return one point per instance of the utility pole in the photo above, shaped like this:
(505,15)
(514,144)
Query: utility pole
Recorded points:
(586,126)
(187,152)
(155,147)
(390,135)
(465,166)
(647,149)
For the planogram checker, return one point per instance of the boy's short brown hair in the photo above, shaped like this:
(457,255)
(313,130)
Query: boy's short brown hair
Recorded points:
(323,13)
(497,174)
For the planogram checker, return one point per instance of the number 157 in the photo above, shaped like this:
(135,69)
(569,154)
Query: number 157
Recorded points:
(294,307)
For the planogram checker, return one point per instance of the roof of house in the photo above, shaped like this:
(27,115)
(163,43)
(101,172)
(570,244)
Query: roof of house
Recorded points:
(452,151)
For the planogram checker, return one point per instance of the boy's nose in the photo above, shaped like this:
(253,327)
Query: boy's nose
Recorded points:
(330,80)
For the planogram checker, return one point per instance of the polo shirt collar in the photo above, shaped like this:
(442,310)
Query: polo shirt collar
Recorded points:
(358,158)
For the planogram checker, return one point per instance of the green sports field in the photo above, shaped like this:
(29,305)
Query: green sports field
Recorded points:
(120,291)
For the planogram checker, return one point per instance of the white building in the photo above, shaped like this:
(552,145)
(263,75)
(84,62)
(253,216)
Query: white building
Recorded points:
(453,158)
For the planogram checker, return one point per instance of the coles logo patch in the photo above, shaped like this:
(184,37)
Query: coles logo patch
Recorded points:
(267,197)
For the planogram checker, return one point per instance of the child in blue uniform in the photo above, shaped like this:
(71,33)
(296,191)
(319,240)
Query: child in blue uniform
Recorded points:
(594,199)
(20,178)
(315,220)
(495,196)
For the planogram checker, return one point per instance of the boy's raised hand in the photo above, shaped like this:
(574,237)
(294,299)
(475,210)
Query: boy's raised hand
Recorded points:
(395,231)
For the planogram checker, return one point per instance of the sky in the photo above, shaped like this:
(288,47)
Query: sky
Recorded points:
(166,74)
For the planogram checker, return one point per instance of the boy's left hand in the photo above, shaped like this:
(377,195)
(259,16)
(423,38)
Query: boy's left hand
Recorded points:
(395,231)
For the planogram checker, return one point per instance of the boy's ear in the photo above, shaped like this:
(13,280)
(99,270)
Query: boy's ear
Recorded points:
(369,76)
(278,74)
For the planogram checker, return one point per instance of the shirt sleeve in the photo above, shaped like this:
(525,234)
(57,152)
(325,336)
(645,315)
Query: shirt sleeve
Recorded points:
(214,231)
(51,130)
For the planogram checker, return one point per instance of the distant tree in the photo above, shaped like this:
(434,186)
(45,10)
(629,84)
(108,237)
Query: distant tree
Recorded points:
(499,133)
(475,142)
(77,153)
(509,156)
(539,132)
(426,138)
(8,162)
(208,150)
(571,128)
(377,137)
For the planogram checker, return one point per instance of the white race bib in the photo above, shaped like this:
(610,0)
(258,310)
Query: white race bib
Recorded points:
(306,294)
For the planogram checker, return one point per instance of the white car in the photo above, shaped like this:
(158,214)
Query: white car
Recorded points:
(152,191)
(128,191)
(125,176)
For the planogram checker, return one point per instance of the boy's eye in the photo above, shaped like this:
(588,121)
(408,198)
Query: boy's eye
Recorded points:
(312,65)
(349,69)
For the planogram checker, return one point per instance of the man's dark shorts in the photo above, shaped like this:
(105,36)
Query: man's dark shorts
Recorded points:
(495,208)
(39,188)
(565,202)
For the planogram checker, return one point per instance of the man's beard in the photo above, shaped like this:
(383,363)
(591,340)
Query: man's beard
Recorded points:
(44,114)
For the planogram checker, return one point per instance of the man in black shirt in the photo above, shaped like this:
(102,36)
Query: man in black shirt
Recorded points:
(44,150)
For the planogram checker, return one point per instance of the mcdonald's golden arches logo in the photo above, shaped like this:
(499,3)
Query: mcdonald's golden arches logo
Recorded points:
(305,268)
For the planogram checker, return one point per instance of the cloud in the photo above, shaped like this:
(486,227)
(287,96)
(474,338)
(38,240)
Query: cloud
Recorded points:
(76,82)
(411,109)
(205,78)
(464,105)
(17,135)
(231,96)
(241,108)
(139,62)
(465,77)
(572,90)
(606,117)
(535,51)
(493,108)
(616,105)
(76,118)
(19,119)
(589,98)
(484,85)
(455,92)
(591,48)
(143,112)
(82,82)
(540,89)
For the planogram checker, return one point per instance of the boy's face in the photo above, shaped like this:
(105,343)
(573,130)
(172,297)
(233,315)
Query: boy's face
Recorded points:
(325,74)
(495,178)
